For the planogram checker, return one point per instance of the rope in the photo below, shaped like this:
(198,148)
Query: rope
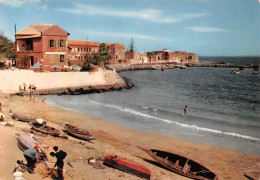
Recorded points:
(25,167)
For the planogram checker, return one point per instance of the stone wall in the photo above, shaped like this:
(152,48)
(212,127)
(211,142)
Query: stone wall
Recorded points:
(11,80)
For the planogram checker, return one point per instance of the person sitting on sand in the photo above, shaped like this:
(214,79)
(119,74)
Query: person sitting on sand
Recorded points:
(31,156)
(60,155)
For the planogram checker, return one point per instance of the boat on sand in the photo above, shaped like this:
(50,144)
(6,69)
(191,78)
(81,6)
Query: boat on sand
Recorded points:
(23,118)
(127,165)
(44,128)
(78,133)
(181,165)
(29,141)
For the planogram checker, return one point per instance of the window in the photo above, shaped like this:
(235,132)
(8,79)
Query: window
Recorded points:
(116,56)
(78,49)
(29,44)
(52,43)
(61,58)
(61,43)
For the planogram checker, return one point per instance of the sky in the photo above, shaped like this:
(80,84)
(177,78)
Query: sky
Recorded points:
(205,27)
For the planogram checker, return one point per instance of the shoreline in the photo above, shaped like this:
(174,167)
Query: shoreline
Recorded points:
(115,139)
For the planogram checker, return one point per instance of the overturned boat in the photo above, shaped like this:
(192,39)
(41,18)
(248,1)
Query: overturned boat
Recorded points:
(127,165)
(78,133)
(181,165)
(44,128)
(29,141)
(23,118)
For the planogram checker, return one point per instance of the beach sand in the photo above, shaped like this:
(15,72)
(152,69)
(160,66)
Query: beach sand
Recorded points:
(110,139)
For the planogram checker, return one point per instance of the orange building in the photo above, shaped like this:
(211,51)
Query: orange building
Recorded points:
(41,43)
(78,50)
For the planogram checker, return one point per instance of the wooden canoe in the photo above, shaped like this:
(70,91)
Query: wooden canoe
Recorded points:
(45,129)
(78,133)
(28,141)
(23,118)
(181,165)
(127,165)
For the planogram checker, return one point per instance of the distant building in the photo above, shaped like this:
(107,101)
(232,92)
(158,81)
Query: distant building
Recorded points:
(41,43)
(136,58)
(173,57)
(78,50)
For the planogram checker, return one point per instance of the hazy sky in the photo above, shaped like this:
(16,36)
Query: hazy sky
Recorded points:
(206,27)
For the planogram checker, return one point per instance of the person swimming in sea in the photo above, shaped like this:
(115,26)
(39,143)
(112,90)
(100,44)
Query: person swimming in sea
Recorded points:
(185,109)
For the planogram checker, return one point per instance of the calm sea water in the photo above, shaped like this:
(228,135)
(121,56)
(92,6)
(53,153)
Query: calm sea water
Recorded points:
(223,108)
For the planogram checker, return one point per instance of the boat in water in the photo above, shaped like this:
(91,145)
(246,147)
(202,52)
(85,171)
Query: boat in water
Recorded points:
(127,165)
(235,72)
(44,128)
(181,165)
(78,133)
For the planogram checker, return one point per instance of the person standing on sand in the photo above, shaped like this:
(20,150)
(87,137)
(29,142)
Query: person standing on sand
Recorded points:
(1,107)
(60,155)
(31,156)
(185,109)
(24,86)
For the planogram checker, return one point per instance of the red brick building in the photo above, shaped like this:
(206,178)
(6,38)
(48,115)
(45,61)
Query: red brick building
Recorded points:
(41,43)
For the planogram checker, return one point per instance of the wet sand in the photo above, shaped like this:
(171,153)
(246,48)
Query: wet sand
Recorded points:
(110,139)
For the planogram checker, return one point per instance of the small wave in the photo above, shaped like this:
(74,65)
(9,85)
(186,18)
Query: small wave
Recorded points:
(195,127)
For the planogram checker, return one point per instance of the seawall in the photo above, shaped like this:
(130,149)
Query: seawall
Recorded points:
(59,82)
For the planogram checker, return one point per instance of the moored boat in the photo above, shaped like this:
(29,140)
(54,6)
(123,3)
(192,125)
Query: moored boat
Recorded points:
(127,165)
(77,132)
(235,72)
(181,165)
(44,128)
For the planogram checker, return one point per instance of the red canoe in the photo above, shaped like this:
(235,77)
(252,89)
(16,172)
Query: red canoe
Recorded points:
(128,166)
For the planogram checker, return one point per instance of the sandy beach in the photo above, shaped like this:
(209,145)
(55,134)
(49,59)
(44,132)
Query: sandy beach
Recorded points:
(110,139)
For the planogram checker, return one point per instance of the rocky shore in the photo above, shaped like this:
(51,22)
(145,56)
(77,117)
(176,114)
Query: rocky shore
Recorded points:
(162,66)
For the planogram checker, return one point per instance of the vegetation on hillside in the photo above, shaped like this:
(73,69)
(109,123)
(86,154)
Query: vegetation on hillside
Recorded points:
(6,47)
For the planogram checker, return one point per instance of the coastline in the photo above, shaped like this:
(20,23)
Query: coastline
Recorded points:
(115,139)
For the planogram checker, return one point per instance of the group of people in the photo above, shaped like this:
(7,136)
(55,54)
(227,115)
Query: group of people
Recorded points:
(31,156)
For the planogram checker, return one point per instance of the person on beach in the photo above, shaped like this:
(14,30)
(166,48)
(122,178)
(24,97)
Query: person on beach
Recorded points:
(31,156)
(60,155)
(1,107)
(185,109)
(2,118)
(24,86)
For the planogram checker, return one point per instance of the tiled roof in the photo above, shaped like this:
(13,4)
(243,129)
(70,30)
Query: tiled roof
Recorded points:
(82,43)
(34,29)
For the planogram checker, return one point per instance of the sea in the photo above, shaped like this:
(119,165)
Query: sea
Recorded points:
(223,109)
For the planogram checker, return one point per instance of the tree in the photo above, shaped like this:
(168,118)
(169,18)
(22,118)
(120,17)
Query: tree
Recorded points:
(131,46)
(6,47)
(103,53)
(149,55)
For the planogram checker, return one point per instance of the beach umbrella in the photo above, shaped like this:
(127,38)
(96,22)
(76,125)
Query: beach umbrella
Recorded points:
(55,66)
